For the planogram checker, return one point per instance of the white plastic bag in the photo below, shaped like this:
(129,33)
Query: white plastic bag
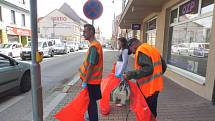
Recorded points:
(118,67)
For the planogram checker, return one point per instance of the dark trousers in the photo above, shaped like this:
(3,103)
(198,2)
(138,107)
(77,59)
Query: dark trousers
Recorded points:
(93,110)
(152,103)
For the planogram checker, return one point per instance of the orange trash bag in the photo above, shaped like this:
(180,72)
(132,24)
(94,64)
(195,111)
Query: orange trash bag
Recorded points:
(138,104)
(75,110)
(113,68)
(107,85)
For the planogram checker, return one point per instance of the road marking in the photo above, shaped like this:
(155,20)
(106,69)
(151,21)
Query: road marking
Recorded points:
(5,105)
(74,80)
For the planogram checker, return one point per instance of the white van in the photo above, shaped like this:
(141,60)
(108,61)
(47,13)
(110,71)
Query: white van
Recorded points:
(11,49)
(44,45)
(199,49)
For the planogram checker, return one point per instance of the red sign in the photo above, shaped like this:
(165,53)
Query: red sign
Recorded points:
(18,31)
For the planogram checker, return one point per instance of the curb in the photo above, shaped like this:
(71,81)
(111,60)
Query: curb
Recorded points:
(59,97)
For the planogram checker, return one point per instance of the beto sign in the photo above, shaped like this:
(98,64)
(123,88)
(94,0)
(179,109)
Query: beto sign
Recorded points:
(93,9)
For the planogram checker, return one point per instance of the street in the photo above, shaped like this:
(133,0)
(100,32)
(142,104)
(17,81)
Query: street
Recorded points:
(55,73)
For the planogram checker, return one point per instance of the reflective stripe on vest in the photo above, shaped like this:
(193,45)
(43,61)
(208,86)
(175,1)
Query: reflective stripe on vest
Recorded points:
(158,63)
(154,76)
(92,77)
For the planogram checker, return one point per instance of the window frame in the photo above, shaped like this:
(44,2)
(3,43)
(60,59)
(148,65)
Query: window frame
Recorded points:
(23,20)
(13,17)
(192,76)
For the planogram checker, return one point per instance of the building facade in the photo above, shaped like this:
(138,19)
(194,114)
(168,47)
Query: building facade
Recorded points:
(61,23)
(14,21)
(184,33)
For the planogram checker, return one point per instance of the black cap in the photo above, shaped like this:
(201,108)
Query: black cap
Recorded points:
(131,41)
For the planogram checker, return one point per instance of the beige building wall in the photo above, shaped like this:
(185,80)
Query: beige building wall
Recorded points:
(205,90)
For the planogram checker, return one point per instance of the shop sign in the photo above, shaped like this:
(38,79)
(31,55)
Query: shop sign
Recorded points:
(59,18)
(18,31)
(190,7)
(135,26)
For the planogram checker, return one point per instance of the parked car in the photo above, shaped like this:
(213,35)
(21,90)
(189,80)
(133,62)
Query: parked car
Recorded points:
(13,74)
(180,48)
(73,46)
(199,49)
(11,49)
(61,48)
(44,45)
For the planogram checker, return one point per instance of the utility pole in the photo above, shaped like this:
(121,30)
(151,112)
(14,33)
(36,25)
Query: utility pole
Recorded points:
(92,22)
(37,102)
(53,24)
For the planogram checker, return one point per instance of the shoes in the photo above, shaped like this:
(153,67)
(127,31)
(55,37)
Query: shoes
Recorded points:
(105,113)
(119,105)
(86,117)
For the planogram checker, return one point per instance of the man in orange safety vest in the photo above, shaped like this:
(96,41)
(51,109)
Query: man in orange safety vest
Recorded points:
(91,71)
(148,70)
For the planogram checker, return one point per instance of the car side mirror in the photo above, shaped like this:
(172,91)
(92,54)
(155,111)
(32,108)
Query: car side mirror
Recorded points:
(13,62)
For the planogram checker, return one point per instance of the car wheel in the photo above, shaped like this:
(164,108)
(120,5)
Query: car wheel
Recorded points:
(10,54)
(25,84)
(23,58)
(52,54)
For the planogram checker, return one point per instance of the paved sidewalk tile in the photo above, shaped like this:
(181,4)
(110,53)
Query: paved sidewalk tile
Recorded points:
(116,114)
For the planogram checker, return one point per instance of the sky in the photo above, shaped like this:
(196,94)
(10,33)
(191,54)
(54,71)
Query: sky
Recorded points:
(104,22)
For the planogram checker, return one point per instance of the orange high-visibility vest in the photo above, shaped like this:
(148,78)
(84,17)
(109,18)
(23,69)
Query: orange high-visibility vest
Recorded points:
(96,76)
(154,82)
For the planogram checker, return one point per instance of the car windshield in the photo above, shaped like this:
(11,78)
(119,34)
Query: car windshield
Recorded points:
(59,45)
(206,46)
(40,44)
(6,45)
(29,44)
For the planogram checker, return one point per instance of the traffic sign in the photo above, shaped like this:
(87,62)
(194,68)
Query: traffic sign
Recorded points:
(93,9)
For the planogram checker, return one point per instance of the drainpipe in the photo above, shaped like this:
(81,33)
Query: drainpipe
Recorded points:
(213,96)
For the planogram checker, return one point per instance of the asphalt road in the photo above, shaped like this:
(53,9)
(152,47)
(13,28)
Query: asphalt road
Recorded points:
(55,72)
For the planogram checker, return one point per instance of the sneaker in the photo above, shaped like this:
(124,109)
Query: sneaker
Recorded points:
(87,117)
(119,105)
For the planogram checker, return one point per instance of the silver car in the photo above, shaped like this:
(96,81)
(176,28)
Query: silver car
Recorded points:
(13,74)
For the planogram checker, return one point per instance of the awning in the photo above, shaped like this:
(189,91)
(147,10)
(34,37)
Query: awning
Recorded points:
(136,10)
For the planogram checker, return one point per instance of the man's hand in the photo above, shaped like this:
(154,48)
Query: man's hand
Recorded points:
(118,75)
(124,76)
(84,84)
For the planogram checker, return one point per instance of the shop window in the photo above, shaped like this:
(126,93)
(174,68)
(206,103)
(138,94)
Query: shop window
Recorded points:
(23,19)
(173,16)
(13,38)
(188,10)
(151,32)
(207,6)
(189,46)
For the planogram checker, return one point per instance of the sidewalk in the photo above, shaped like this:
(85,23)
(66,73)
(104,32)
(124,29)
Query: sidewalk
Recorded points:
(175,104)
